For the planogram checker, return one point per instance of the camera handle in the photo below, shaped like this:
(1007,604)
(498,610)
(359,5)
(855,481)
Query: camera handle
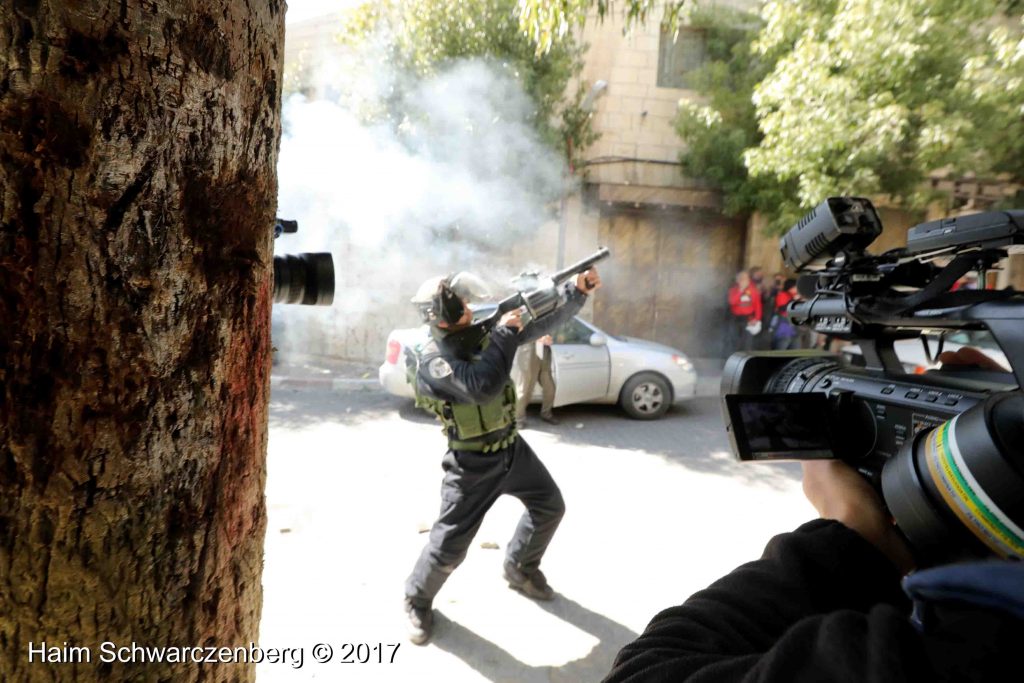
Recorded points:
(1002,315)
(880,355)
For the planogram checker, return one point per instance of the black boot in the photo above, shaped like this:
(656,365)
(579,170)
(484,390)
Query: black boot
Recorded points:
(421,622)
(533,585)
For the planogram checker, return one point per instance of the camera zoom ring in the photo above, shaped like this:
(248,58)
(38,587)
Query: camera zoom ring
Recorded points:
(797,376)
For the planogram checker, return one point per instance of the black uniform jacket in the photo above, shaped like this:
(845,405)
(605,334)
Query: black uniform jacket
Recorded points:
(822,604)
(449,374)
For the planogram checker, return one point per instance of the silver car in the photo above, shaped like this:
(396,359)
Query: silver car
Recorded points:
(589,365)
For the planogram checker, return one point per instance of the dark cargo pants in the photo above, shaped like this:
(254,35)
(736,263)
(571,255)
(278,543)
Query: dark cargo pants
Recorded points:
(472,482)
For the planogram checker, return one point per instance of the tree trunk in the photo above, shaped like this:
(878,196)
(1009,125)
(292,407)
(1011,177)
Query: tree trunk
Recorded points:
(138,146)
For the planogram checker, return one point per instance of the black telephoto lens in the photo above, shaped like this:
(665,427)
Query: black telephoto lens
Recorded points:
(306,279)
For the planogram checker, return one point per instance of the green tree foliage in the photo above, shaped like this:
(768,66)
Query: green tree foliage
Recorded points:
(869,97)
(425,35)
(829,97)
(994,78)
(548,21)
(721,125)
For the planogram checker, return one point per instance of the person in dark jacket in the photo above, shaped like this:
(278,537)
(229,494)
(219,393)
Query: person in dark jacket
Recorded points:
(463,376)
(784,334)
(824,603)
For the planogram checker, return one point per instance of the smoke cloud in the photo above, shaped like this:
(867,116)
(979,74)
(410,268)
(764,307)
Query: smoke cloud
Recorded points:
(454,177)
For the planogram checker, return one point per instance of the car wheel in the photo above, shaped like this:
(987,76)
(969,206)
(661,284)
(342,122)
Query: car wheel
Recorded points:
(646,396)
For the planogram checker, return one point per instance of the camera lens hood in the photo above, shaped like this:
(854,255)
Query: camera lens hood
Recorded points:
(306,279)
(967,474)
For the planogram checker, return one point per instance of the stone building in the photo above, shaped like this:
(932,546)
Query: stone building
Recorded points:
(674,251)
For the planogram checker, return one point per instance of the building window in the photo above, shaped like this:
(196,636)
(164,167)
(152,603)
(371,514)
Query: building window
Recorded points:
(679,55)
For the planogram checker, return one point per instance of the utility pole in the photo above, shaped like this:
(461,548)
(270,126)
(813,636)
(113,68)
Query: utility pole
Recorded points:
(587,106)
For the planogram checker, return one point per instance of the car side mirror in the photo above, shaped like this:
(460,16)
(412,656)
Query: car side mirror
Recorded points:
(598,339)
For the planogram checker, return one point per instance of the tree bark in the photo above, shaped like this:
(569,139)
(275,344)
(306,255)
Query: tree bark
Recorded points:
(138,151)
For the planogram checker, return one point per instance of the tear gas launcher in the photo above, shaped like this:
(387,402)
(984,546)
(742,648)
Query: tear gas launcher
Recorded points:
(546,298)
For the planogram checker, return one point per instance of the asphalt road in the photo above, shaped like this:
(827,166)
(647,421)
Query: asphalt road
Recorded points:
(655,511)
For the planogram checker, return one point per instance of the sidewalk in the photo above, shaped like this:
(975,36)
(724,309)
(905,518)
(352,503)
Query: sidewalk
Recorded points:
(655,512)
(323,372)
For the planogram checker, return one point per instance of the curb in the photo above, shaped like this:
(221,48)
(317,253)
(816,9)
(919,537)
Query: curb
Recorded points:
(332,383)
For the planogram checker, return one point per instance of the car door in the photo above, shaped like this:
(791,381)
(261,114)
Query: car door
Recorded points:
(581,369)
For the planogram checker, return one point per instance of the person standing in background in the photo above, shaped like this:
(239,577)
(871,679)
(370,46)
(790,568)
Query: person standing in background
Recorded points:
(757,276)
(533,362)
(784,334)
(744,312)
(768,296)
(762,340)
(778,280)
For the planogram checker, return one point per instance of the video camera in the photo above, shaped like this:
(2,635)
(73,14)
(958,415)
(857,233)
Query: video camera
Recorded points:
(946,448)
(306,279)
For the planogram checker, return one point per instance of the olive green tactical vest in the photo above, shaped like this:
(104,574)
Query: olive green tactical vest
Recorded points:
(465,424)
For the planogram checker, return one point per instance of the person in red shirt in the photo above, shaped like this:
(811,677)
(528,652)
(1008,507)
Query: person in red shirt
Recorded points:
(744,309)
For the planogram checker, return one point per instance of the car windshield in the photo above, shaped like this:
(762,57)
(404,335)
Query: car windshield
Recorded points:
(572,332)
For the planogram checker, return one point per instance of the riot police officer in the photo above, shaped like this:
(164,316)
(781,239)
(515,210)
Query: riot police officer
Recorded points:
(463,376)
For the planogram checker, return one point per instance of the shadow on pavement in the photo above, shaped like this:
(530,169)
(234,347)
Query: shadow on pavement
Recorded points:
(497,665)
(691,435)
(685,436)
(407,410)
